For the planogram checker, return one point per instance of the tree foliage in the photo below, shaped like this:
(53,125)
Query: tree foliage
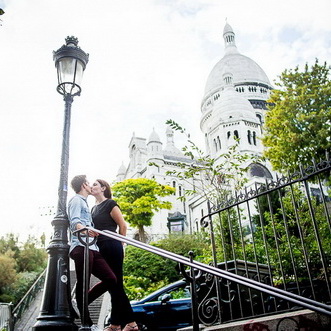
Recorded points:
(8,272)
(32,257)
(298,122)
(20,265)
(139,199)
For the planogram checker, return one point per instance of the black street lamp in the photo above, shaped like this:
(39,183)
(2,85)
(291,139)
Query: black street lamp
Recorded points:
(56,309)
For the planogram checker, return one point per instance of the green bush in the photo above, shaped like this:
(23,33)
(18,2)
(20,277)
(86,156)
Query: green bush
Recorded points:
(7,298)
(24,282)
(138,287)
(153,267)
(145,272)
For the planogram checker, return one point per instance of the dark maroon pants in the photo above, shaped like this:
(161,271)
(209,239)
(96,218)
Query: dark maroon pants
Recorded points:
(97,267)
(112,251)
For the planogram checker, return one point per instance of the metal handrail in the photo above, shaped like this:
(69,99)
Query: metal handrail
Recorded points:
(291,297)
(28,297)
(86,243)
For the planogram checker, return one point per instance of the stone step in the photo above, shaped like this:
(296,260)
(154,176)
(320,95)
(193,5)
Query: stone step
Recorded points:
(95,306)
(290,321)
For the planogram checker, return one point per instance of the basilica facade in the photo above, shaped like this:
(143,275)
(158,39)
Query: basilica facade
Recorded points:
(233,106)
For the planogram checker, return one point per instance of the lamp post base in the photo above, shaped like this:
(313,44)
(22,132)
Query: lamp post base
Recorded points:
(51,324)
(56,310)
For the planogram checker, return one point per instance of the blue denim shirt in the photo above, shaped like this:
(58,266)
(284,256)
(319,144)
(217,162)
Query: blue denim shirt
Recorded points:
(79,212)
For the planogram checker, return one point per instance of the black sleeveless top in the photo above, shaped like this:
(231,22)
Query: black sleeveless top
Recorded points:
(102,219)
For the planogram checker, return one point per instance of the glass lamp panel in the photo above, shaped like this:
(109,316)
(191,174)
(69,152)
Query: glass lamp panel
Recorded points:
(66,70)
(70,72)
(79,73)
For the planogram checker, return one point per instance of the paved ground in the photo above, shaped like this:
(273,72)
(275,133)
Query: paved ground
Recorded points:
(29,318)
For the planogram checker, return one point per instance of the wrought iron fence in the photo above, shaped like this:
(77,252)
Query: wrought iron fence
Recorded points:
(278,233)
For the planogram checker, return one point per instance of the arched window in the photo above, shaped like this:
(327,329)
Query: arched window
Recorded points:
(258,170)
(249,137)
(215,145)
(180,190)
(229,134)
(259,117)
(236,134)
(254,138)
(219,142)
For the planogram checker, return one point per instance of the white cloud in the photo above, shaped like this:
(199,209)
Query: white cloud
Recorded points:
(149,61)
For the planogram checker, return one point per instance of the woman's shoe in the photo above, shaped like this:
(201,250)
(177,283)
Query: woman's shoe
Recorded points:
(131,327)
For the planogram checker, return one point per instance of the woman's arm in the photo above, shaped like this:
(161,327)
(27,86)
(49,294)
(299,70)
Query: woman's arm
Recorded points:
(117,216)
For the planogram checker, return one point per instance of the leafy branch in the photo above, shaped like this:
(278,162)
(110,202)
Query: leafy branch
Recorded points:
(211,178)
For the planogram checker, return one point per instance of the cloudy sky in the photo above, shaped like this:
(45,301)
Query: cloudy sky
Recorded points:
(149,62)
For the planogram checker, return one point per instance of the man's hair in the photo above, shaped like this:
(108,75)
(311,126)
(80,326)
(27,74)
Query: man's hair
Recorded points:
(77,182)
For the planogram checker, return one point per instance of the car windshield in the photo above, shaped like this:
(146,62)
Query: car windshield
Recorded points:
(176,293)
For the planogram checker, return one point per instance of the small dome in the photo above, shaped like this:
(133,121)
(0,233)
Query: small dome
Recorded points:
(227,28)
(232,105)
(121,170)
(154,137)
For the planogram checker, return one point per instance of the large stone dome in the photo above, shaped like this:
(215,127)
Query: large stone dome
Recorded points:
(243,69)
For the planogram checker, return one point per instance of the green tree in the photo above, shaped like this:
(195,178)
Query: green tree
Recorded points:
(139,199)
(9,242)
(8,273)
(298,121)
(32,257)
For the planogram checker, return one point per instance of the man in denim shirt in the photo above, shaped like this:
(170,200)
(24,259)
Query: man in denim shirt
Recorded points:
(80,217)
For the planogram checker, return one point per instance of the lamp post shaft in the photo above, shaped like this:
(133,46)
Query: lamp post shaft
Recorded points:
(56,309)
(63,185)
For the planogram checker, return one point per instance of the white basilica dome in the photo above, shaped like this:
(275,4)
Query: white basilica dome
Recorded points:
(243,69)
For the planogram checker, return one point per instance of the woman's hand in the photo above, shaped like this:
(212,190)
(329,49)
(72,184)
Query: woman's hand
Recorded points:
(91,233)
